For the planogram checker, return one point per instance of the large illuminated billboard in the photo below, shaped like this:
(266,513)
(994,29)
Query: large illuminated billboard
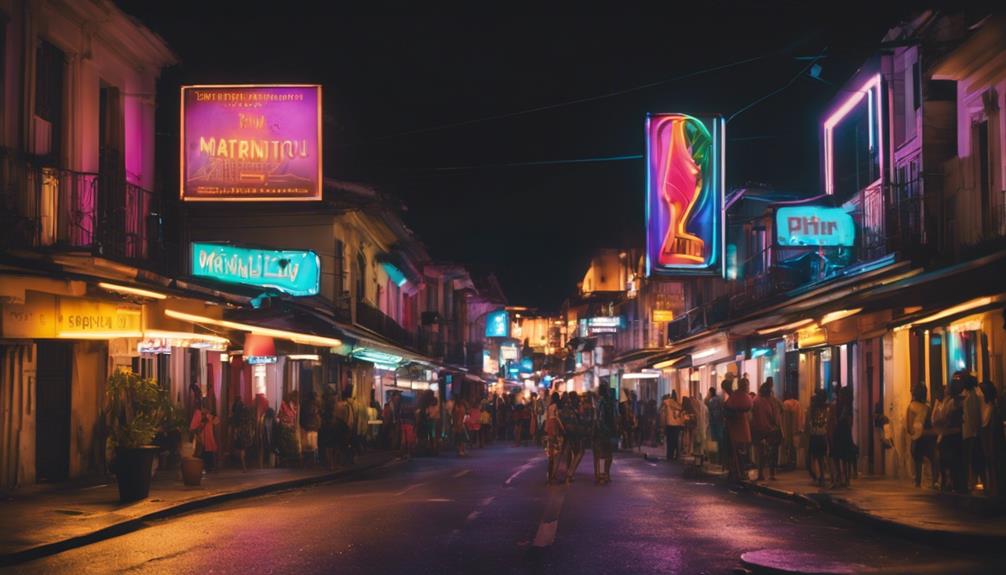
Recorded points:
(251,143)
(684,194)
(296,272)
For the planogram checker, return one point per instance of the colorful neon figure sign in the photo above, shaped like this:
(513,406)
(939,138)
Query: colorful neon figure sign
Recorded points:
(684,193)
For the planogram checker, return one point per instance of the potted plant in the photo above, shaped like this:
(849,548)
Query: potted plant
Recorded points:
(136,410)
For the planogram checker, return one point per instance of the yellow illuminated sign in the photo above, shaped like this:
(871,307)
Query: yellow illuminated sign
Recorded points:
(83,318)
(660,315)
(34,318)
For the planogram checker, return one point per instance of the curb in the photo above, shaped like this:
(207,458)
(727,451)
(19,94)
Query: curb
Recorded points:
(842,508)
(136,523)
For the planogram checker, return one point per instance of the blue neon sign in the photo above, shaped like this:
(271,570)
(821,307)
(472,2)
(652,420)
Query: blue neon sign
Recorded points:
(814,226)
(498,324)
(297,273)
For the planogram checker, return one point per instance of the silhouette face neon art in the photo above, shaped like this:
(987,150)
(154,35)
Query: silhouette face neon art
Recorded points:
(684,194)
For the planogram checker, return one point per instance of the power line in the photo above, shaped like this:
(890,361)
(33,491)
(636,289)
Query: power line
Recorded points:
(589,160)
(787,85)
(575,101)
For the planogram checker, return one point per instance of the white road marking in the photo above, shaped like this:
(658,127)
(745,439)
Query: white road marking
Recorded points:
(461,473)
(473,515)
(530,463)
(486,501)
(409,488)
(546,534)
(439,500)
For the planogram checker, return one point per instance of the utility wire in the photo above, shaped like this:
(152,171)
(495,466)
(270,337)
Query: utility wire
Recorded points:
(540,163)
(784,87)
(575,101)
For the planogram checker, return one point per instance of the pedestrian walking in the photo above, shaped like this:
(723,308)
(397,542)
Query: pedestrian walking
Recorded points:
(974,457)
(605,434)
(485,424)
(202,426)
(766,429)
(919,424)
(628,419)
(521,417)
(327,435)
(344,422)
(432,431)
(554,432)
(473,423)
(574,434)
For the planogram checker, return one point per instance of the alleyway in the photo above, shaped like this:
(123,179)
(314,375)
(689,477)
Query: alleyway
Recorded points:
(490,513)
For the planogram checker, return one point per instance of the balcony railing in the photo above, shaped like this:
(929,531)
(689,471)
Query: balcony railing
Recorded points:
(45,207)
(375,320)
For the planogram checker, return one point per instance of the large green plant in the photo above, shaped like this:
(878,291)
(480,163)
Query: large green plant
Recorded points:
(137,408)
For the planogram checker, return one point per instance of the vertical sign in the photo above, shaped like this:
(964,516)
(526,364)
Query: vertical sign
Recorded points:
(498,324)
(684,194)
(251,143)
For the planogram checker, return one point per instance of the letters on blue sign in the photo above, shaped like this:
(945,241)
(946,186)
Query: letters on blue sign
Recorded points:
(297,273)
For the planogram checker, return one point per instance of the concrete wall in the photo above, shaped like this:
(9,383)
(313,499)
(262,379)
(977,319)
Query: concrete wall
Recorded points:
(17,414)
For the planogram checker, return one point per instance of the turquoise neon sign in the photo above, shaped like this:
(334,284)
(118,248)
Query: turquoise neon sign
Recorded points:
(498,324)
(814,226)
(294,272)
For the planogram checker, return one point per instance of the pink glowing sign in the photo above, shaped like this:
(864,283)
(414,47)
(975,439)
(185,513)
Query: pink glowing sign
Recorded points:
(251,143)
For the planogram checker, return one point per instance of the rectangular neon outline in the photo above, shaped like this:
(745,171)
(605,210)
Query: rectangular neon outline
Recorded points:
(873,83)
(719,232)
(310,291)
(181,146)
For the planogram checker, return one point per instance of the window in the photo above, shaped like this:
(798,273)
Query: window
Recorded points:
(361,272)
(49,71)
(916,86)
(984,175)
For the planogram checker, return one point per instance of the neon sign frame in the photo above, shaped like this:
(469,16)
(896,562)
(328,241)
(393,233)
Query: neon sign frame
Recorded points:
(679,148)
(871,89)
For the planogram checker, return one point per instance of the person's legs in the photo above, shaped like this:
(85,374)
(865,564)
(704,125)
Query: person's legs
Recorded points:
(668,435)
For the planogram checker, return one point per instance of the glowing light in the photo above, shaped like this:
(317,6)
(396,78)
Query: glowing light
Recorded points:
(684,185)
(785,327)
(642,375)
(304,356)
(98,334)
(869,87)
(304,338)
(705,353)
(667,363)
(961,308)
(840,314)
(131,291)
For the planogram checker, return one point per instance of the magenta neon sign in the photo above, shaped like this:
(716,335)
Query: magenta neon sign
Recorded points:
(251,143)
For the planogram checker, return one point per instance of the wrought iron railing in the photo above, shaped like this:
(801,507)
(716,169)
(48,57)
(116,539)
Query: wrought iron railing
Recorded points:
(48,207)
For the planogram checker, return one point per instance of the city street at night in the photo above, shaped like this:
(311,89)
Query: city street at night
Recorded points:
(350,287)
(493,513)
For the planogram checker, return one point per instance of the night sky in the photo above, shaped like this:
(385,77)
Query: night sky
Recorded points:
(427,101)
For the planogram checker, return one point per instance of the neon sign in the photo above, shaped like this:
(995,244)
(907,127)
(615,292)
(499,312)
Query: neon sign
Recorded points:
(684,189)
(871,90)
(251,143)
(297,273)
(498,324)
(814,226)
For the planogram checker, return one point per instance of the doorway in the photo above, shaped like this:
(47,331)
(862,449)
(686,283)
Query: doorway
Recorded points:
(52,424)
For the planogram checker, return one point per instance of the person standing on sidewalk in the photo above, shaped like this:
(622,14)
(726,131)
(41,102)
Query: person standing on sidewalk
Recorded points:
(673,420)
(310,423)
(203,422)
(572,449)
(458,415)
(766,431)
(432,423)
(992,438)
(817,433)
(792,426)
(974,458)
(919,422)
(714,404)
(737,410)
(843,450)
(345,421)
(950,420)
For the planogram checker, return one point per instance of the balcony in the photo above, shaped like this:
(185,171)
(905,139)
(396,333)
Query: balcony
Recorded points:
(375,320)
(52,208)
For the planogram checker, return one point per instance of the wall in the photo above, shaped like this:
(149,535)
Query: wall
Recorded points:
(87,400)
(17,415)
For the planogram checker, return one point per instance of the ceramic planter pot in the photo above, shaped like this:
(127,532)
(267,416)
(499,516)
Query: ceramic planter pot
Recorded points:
(132,471)
(192,470)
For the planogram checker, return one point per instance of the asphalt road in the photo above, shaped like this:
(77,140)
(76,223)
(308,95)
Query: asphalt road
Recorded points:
(493,513)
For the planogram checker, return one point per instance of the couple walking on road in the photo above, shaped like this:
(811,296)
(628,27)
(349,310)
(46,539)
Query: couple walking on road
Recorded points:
(572,422)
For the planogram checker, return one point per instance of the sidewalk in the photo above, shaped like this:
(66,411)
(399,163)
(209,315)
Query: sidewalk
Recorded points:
(42,520)
(896,505)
